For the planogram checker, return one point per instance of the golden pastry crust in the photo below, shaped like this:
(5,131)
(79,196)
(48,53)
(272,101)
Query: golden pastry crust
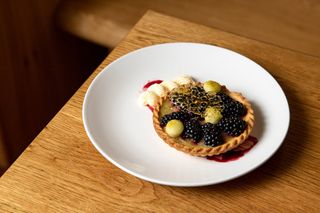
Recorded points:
(202,150)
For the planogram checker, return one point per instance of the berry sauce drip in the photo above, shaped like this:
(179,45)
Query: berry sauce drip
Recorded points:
(236,153)
(147,85)
(150,107)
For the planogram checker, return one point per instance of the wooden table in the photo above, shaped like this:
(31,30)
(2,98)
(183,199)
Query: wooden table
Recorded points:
(62,172)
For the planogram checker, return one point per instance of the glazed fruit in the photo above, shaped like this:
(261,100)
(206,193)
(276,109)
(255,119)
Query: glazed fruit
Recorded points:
(233,109)
(165,119)
(212,115)
(213,137)
(174,128)
(233,126)
(224,98)
(182,116)
(207,127)
(203,119)
(193,131)
(211,87)
(195,105)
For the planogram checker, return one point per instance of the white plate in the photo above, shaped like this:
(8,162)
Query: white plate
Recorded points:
(123,133)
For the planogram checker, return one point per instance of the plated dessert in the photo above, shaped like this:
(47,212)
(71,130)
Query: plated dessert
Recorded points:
(198,118)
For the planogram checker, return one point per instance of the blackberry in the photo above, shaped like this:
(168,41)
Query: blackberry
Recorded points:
(194,116)
(234,109)
(212,135)
(224,98)
(207,127)
(213,138)
(192,130)
(165,119)
(182,116)
(232,126)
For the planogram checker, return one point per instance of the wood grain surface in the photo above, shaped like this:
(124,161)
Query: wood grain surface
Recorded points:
(62,172)
(292,24)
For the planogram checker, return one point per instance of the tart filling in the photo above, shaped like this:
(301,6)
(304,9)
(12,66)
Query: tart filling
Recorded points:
(203,119)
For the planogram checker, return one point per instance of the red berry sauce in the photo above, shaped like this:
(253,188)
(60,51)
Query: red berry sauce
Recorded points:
(236,153)
(147,85)
(150,107)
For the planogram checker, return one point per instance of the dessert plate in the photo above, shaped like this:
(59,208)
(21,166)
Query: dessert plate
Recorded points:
(122,131)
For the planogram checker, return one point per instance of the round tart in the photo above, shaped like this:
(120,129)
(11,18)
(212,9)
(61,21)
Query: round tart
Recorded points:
(199,108)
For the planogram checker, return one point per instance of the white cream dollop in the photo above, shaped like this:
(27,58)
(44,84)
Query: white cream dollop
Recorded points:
(169,85)
(148,98)
(152,95)
(158,89)
(184,79)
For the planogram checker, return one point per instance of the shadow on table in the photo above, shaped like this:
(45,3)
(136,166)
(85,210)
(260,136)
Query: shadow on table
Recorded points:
(281,161)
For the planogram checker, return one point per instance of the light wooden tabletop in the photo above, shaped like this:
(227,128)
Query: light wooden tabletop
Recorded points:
(62,172)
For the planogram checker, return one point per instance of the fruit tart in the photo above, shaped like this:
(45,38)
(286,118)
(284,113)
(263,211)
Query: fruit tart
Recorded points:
(202,119)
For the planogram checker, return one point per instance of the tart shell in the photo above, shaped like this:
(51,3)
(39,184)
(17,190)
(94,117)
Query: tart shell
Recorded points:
(202,150)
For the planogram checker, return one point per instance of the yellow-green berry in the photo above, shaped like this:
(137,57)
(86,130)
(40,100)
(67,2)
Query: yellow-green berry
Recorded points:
(174,128)
(211,87)
(212,115)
